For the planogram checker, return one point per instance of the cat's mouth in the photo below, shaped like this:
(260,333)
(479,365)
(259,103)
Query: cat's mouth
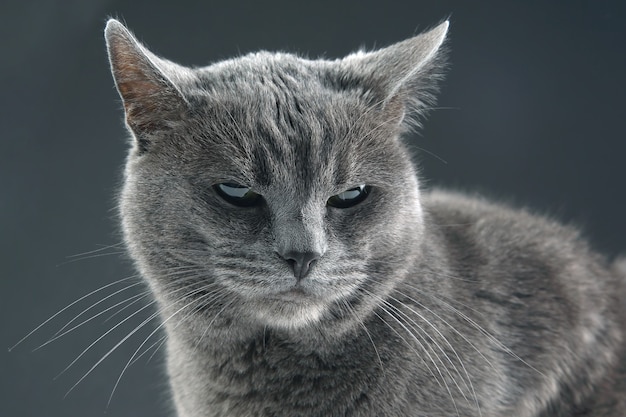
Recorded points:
(295,293)
(289,308)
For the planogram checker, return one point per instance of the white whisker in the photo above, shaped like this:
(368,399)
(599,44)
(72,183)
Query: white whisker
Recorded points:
(469,387)
(152,316)
(483,331)
(159,327)
(103,248)
(409,345)
(364,327)
(422,331)
(97,303)
(59,335)
(68,307)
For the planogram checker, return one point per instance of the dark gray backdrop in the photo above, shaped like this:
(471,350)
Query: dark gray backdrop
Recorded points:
(533,112)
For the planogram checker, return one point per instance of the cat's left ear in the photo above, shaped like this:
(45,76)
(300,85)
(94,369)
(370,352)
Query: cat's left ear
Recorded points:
(401,78)
(152,102)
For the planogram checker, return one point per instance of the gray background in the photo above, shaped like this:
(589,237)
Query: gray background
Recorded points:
(533,112)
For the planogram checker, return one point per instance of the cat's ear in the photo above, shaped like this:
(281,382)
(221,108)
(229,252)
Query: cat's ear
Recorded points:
(403,77)
(152,102)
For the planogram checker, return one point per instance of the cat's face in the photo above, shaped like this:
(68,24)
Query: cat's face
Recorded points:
(268,189)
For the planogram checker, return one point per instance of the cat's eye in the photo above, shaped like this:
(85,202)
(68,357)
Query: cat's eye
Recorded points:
(350,197)
(236,194)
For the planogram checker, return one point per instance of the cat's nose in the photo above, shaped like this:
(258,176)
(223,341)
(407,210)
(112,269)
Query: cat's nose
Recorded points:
(301,262)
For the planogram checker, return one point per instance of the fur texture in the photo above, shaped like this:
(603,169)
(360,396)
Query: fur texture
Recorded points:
(415,304)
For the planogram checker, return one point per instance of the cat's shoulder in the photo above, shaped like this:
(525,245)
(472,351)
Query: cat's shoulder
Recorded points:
(472,205)
(495,222)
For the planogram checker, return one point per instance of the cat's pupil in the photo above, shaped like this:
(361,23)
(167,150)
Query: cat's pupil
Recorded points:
(237,194)
(350,197)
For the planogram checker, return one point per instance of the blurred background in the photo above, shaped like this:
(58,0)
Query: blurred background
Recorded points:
(532,112)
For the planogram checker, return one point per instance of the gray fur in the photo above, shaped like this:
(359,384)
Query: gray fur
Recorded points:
(421,304)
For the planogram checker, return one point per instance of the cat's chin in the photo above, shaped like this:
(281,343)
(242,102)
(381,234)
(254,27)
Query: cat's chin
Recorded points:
(290,309)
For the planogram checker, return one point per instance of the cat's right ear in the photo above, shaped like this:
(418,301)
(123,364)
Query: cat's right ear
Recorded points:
(152,102)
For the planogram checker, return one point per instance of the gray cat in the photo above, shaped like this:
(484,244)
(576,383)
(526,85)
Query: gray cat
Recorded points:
(275,213)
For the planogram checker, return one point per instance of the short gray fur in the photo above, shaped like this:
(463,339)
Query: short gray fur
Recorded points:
(418,303)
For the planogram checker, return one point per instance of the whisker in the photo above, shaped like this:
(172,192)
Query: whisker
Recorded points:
(481,329)
(447,342)
(135,330)
(130,334)
(410,346)
(426,350)
(69,306)
(132,300)
(96,255)
(159,342)
(434,155)
(218,294)
(103,336)
(137,298)
(103,248)
(367,111)
(376,128)
(95,305)
(176,273)
(429,108)
(161,325)
(354,314)
(58,336)
(449,325)
(434,273)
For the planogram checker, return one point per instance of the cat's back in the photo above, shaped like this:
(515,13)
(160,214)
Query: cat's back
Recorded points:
(559,304)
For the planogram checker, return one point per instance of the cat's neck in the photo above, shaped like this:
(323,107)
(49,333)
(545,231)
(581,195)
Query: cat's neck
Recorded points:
(218,374)
(224,338)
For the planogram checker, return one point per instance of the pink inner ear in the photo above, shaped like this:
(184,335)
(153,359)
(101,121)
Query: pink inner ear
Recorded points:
(135,76)
(138,90)
(142,97)
(150,101)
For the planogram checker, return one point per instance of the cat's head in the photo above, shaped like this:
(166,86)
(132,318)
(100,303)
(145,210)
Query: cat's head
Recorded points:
(272,189)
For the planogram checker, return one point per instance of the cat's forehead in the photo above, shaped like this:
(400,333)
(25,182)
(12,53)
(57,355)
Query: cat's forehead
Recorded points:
(265,68)
(283,122)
